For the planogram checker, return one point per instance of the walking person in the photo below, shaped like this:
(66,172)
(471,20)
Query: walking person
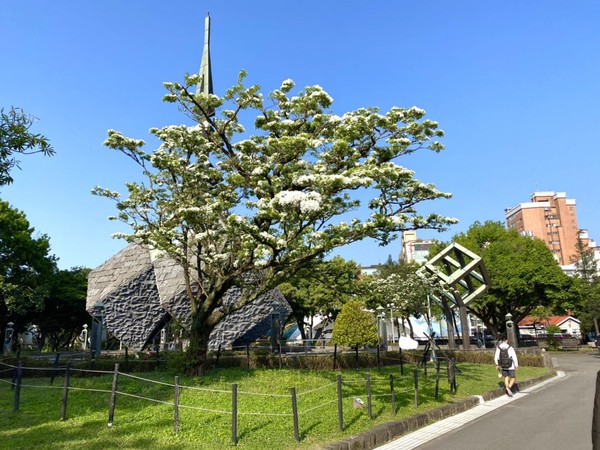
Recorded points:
(506,361)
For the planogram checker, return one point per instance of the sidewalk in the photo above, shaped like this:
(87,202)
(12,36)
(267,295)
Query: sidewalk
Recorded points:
(430,432)
(444,418)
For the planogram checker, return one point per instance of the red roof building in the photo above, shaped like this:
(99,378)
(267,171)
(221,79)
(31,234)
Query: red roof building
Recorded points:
(567,324)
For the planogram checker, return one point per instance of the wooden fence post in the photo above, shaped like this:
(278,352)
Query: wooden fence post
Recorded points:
(393,394)
(369,406)
(334,356)
(437,378)
(416,377)
(234,414)
(295,414)
(63,410)
(279,355)
(113,396)
(340,403)
(17,385)
(176,406)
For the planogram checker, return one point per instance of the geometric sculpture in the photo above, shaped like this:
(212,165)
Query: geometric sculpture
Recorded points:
(464,277)
(462,270)
(141,294)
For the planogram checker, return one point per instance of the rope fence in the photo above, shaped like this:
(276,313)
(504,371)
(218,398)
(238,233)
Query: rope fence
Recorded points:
(322,398)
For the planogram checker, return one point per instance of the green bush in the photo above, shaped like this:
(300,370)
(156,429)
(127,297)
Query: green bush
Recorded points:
(179,363)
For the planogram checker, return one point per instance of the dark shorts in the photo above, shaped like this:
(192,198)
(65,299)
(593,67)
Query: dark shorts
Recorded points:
(508,373)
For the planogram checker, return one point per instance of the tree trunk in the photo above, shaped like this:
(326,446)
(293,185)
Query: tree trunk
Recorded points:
(40,341)
(300,323)
(198,348)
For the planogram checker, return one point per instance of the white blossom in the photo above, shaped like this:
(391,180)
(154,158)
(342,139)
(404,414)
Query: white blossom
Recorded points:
(305,201)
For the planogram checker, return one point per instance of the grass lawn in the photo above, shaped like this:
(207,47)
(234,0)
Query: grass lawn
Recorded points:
(264,407)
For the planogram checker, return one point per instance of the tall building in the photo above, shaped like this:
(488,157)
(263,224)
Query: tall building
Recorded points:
(551,217)
(414,249)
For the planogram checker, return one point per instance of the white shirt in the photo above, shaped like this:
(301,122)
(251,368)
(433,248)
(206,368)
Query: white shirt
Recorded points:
(511,353)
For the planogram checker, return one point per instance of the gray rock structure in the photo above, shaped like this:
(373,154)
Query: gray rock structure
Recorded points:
(141,294)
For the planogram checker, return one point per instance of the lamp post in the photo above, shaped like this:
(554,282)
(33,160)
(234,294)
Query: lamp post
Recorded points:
(97,331)
(391,306)
(276,331)
(382,328)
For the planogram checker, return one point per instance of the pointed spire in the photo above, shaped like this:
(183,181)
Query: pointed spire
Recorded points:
(205,85)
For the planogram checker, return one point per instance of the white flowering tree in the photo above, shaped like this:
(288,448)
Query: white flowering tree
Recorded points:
(225,203)
(401,288)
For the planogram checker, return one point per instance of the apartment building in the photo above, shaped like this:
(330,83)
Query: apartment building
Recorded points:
(413,248)
(551,217)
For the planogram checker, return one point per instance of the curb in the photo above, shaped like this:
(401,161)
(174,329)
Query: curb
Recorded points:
(382,434)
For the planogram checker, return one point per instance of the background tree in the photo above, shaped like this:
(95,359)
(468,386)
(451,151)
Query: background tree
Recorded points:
(586,268)
(387,268)
(522,270)
(16,138)
(355,327)
(223,203)
(321,288)
(589,315)
(26,269)
(64,313)
(586,265)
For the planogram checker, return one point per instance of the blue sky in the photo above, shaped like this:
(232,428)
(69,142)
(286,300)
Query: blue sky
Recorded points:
(515,86)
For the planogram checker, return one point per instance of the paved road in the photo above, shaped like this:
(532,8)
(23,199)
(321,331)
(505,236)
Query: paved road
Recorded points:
(556,415)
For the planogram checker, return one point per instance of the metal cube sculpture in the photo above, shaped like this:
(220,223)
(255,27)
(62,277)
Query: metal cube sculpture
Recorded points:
(462,271)
(465,278)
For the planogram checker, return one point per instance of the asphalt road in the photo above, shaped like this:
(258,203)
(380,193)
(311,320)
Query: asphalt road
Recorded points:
(556,416)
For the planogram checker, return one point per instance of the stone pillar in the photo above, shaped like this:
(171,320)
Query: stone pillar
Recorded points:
(511,332)
(8,338)
(84,336)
